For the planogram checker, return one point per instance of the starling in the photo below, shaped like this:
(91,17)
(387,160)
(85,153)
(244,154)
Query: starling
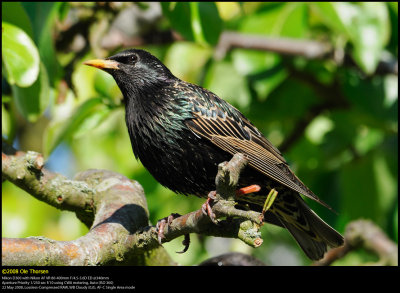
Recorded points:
(181,132)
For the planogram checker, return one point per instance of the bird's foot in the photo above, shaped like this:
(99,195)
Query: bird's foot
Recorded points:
(167,221)
(206,207)
(162,223)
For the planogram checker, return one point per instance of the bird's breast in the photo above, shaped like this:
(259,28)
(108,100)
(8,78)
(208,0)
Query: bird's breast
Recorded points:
(173,154)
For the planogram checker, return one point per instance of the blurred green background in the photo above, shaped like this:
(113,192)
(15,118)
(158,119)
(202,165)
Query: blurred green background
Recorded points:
(335,118)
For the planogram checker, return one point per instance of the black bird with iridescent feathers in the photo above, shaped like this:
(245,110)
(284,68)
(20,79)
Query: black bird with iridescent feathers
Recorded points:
(181,132)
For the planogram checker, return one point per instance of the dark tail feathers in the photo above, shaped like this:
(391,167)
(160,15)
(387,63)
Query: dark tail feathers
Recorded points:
(310,231)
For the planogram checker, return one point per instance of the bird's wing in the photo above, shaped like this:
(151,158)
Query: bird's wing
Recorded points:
(227,128)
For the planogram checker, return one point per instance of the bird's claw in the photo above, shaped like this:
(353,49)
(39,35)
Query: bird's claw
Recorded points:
(161,227)
(206,207)
(162,223)
(186,243)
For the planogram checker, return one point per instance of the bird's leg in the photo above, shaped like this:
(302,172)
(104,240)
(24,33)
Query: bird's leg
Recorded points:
(206,207)
(167,221)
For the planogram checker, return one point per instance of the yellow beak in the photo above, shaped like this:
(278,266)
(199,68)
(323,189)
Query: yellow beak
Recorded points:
(102,64)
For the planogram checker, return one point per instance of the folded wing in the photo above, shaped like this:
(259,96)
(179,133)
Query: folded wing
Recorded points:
(232,132)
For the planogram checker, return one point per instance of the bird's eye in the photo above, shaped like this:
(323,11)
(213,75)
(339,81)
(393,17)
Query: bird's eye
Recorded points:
(132,59)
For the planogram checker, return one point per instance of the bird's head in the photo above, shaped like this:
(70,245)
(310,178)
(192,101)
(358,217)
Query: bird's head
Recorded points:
(134,70)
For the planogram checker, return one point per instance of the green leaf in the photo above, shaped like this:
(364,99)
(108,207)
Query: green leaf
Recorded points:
(179,16)
(5,122)
(292,21)
(359,200)
(14,13)
(248,62)
(38,13)
(371,98)
(317,129)
(287,19)
(371,34)
(195,21)
(367,139)
(105,85)
(19,55)
(43,16)
(263,69)
(210,21)
(32,101)
(386,183)
(223,80)
(186,60)
(91,121)
(85,118)
(365,25)
(331,15)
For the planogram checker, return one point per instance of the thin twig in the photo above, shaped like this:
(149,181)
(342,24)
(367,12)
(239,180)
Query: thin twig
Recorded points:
(364,234)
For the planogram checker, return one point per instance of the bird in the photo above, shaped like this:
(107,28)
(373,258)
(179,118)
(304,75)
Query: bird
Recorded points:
(181,132)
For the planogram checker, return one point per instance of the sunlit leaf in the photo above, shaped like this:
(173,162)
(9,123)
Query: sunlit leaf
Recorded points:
(263,70)
(223,80)
(288,19)
(186,60)
(105,85)
(367,139)
(317,129)
(366,26)
(91,122)
(91,111)
(338,16)
(228,10)
(19,55)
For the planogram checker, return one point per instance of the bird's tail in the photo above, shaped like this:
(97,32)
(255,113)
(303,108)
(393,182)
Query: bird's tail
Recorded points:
(310,231)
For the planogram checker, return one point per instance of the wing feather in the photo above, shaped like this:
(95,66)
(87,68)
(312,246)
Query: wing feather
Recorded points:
(233,133)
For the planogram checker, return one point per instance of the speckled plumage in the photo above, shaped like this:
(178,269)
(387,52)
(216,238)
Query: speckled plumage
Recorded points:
(181,132)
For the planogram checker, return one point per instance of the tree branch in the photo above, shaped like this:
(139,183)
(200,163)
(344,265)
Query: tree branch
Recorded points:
(26,171)
(118,216)
(232,259)
(364,234)
(308,49)
(245,228)
(116,210)
(119,210)
(285,46)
